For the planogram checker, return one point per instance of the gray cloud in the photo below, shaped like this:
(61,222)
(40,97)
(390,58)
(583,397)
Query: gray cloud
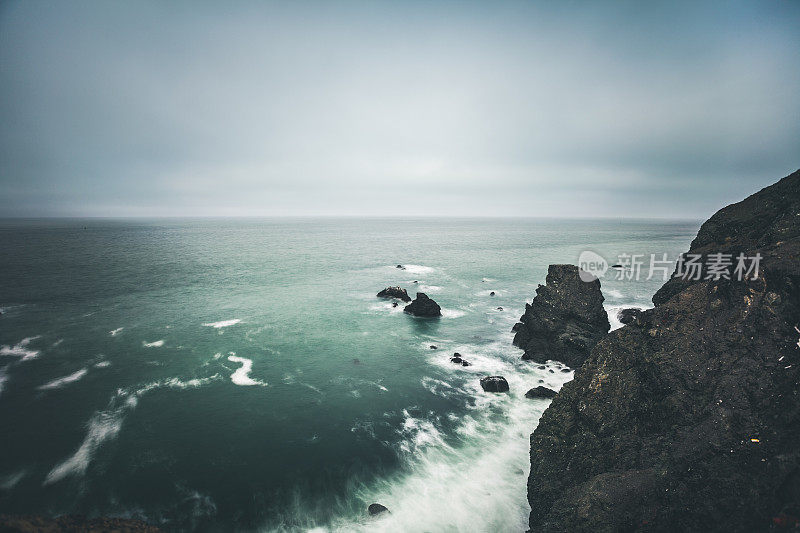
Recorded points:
(574,109)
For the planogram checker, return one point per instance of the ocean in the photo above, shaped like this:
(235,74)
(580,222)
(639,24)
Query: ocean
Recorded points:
(241,375)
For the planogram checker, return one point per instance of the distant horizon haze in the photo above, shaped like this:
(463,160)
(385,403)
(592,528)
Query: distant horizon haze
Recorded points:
(468,109)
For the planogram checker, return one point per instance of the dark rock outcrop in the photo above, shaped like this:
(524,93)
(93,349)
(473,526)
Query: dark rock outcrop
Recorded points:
(423,306)
(688,419)
(626,316)
(72,523)
(459,360)
(494,384)
(565,320)
(395,292)
(541,392)
(376,509)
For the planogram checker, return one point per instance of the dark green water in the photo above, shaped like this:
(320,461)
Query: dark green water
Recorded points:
(124,349)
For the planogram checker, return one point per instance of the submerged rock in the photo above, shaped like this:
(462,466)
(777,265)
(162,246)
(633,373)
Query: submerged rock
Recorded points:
(434,347)
(494,384)
(491,293)
(626,316)
(541,392)
(401,267)
(690,421)
(459,360)
(376,509)
(423,306)
(565,320)
(395,292)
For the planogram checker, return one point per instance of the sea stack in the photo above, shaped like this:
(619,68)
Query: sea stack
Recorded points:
(688,419)
(423,306)
(565,320)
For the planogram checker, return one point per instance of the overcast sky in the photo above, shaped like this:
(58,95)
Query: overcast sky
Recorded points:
(395,108)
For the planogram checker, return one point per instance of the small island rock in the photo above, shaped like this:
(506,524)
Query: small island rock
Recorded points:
(423,306)
(395,292)
(494,384)
(541,392)
(376,509)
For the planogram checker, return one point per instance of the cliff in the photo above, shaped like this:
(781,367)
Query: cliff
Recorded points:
(688,419)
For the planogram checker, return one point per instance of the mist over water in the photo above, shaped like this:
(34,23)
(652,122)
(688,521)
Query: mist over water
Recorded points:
(241,374)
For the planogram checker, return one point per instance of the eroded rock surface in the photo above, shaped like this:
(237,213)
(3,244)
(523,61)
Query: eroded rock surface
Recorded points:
(565,320)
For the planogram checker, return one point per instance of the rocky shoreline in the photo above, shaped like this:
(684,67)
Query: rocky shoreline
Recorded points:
(687,418)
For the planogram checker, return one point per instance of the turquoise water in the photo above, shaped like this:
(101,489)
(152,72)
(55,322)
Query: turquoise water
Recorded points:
(223,375)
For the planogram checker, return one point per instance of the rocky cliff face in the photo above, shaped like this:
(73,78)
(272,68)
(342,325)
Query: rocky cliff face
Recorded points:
(565,320)
(688,419)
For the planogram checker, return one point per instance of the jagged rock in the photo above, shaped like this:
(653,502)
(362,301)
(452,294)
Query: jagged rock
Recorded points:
(376,509)
(395,292)
(691,420)
(401,267)
(565,320)
(423,306)
(434,347)
(394,304)
(499,308)
(491,293)
(494,384)
(541,392)
(626,316)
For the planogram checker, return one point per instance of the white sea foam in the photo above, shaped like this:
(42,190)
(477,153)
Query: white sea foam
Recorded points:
(430,288)
(613,311)
(102,364)
(242,375)
(177,383)
(106,424)
(115,332)
(3,378)
(10,481)
(154,344)
(387,307)
(613,293)
(102,426)
(443,484)
(452,313)
(21,349)
(223,323)
(418,269)
(66,380)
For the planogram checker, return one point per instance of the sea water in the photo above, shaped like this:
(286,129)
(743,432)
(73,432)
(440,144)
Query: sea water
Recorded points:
(240,374)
